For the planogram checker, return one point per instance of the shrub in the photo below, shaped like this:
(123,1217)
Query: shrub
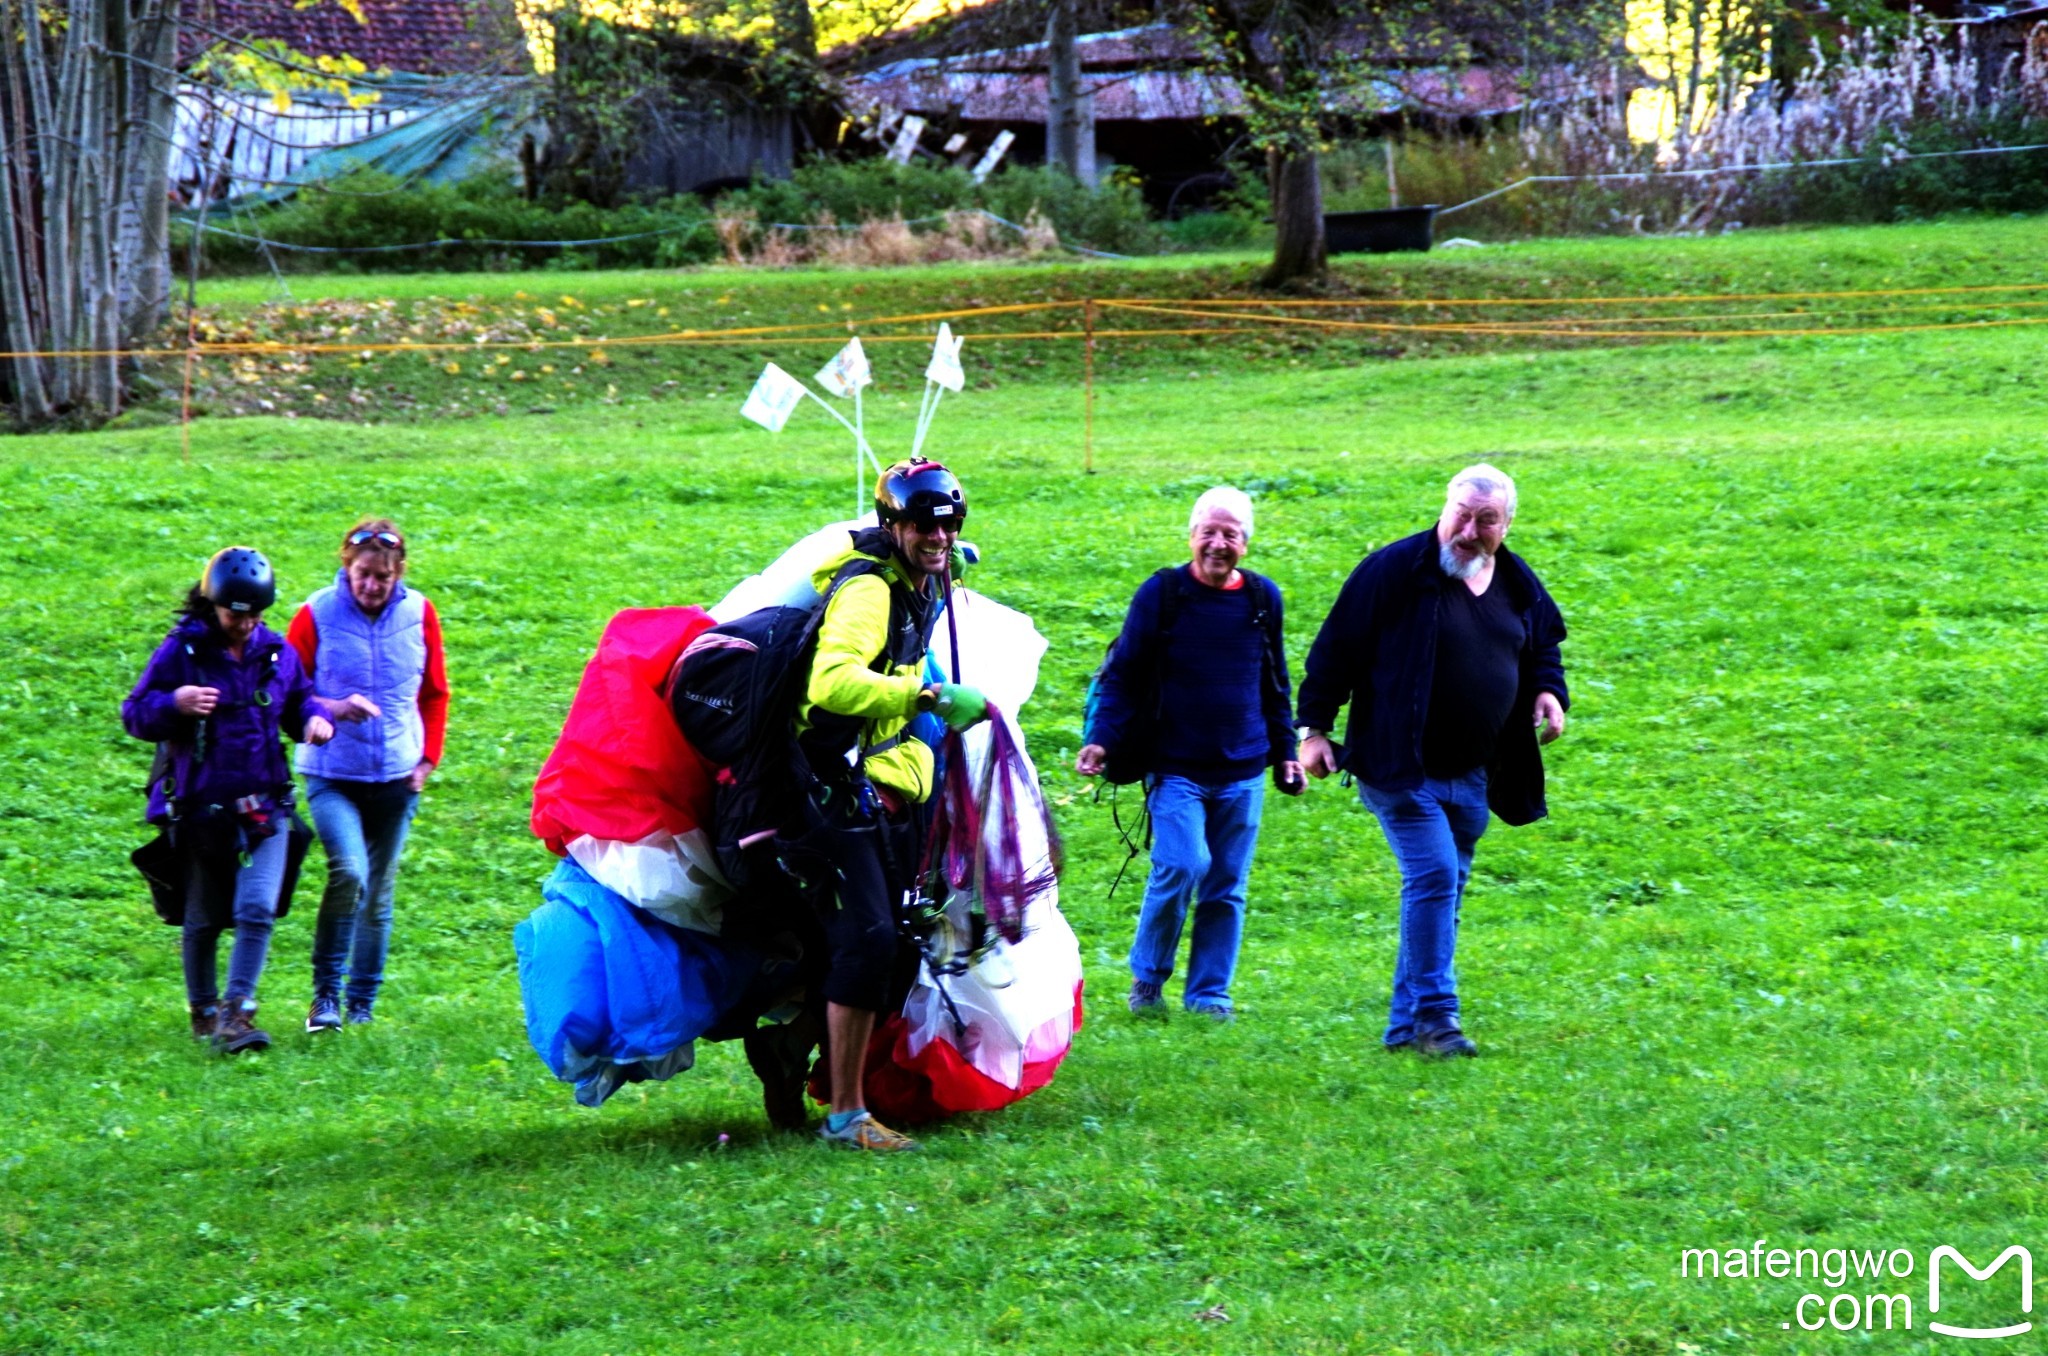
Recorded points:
(1213,231)
(367,209)
(850,193)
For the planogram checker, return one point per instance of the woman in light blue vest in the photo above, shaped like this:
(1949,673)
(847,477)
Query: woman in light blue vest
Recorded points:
(367,632)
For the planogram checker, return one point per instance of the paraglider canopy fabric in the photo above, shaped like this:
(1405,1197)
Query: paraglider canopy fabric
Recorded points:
(621,769)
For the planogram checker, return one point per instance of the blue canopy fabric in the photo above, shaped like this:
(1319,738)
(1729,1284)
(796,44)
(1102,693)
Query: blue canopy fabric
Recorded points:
(615,995)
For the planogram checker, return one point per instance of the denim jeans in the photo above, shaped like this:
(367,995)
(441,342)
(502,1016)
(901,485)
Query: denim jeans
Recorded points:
(221,891)
(1432,830)
(362,825)
(1202,839)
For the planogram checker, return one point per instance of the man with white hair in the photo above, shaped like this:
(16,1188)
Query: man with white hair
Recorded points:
(1446,646)
(1194,697)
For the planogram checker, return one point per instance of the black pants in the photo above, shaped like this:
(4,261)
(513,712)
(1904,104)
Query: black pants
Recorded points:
(860,914)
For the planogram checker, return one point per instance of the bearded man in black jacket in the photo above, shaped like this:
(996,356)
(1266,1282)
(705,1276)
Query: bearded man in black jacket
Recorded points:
(1445,644)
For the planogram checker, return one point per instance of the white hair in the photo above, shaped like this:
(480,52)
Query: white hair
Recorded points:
(1231,503)
(1490,481)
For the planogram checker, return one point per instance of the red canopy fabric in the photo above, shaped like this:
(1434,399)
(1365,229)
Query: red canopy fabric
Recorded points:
(937,1082)
(621,769)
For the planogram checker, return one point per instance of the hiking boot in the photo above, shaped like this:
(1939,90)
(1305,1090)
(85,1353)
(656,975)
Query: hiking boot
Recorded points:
(1145,1000)
(325,1014)
(780,1058)
(238,1032)
(1450,1043)
(865,1132)
(359,1013)
(205,1021)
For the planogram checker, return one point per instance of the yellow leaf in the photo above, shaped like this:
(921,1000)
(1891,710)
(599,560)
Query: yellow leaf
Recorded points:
(571,302)
(452,369)
(636,301)
(600,357)
(547,369)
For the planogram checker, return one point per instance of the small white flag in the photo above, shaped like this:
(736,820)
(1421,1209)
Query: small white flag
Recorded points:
(774,398)
(847,372)
(945,366)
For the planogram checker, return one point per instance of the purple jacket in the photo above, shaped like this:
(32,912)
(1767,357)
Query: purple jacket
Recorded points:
(264,694)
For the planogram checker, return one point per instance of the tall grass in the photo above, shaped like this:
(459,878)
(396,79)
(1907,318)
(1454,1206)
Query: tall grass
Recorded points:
(1879,102)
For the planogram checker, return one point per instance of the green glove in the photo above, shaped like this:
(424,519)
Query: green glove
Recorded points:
(960,706)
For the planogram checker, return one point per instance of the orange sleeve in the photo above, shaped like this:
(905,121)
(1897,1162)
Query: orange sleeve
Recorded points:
(304,636)
(433,688)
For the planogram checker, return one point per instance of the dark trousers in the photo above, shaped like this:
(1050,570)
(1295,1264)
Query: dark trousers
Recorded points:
(222,892)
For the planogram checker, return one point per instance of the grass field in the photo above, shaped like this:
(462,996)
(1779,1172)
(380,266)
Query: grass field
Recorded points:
(1774,969)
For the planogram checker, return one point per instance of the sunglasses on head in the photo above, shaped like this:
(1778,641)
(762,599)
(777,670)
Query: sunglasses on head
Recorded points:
(390,539)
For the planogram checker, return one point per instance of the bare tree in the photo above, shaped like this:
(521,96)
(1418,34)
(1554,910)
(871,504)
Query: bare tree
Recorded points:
(86,88)
(1069,104)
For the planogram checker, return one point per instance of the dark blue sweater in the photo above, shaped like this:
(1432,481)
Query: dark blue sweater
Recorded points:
(1219,718)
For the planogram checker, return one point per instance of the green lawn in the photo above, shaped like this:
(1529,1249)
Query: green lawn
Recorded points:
(610,310)
(1774,969)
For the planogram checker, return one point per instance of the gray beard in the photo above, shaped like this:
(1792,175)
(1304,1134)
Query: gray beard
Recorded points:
(1458,568)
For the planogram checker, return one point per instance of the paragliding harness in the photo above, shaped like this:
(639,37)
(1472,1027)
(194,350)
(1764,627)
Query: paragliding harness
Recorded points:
(1132,760)
(735,691)
(164,862)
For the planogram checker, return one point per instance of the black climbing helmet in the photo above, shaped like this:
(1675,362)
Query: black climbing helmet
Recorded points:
(921,491)
(239,579)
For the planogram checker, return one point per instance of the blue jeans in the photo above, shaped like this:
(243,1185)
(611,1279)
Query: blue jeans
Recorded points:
(1432,830)
(1202,839)
(363,826)
(223,892)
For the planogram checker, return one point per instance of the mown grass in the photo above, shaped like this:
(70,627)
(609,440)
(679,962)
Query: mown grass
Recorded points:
(1774,969)
(606,312)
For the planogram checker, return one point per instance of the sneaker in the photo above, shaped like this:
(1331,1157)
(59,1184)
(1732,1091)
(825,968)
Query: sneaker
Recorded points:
(1218,1013)
(1398,1047)
(865,1132)
(780,1058)
(1450,1043)
(1145,1000)
(325,1014)
(237,1031)
(359,1013)
(205,1021)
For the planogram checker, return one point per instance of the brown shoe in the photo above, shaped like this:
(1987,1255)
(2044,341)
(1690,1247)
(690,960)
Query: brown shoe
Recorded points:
(205,1021)
(238,1032)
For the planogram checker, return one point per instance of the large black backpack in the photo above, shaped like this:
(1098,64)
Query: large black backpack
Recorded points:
(734,693)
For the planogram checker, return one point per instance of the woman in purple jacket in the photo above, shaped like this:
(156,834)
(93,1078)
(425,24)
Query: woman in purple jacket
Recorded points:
(217,693)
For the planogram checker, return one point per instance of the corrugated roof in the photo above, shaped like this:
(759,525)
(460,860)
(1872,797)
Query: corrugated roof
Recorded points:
(424,37)
(938,88)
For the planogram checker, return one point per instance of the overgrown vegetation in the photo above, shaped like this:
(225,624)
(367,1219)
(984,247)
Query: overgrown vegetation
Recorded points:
(1875,101)
(366,217)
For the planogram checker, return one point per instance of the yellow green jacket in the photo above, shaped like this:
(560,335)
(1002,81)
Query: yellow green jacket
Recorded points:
(851,637)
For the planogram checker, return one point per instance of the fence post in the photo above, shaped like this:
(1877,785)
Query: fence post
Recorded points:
(1088,387)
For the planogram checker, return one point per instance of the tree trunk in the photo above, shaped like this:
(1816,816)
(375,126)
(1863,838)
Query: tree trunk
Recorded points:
(796,32)
(145,242)
(84,169)
(1069,105)
(1299,251)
